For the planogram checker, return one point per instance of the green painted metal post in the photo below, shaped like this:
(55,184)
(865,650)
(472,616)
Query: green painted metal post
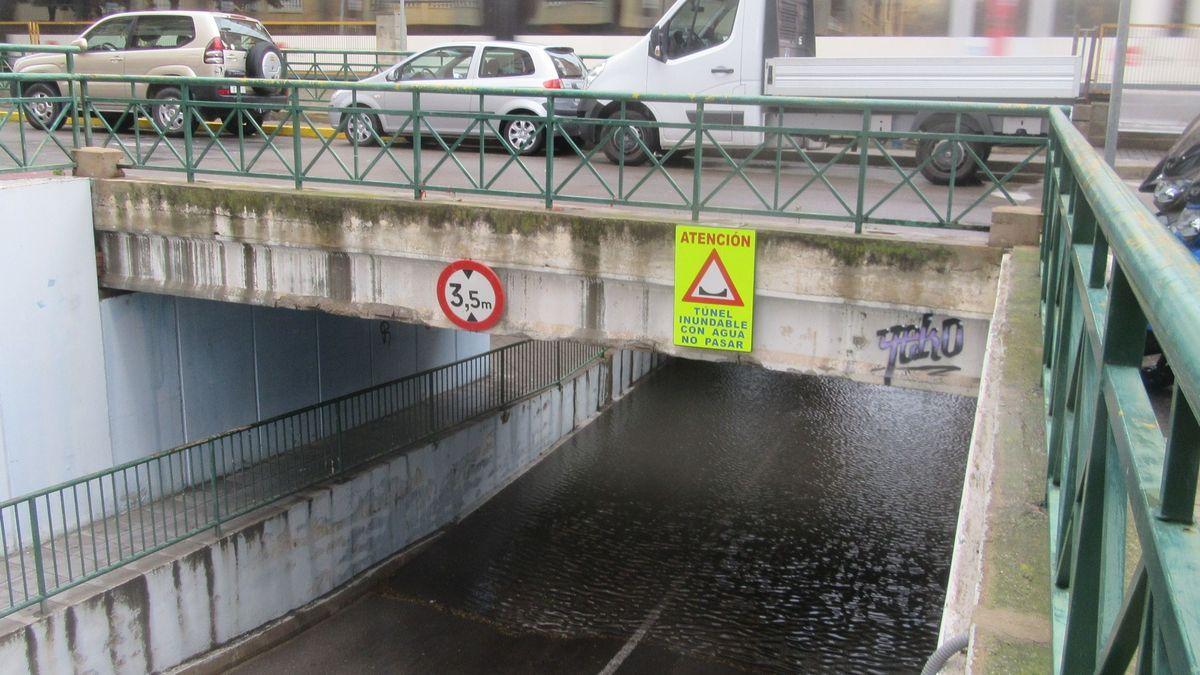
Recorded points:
(39,567)
(297,139)
(698,162)
(956,154)
(213,480)
(416,143)
(864,150)
(550,134)
(87,113)
(185,105)
(503,375)
(1181,463)
(340,459)
(73,91)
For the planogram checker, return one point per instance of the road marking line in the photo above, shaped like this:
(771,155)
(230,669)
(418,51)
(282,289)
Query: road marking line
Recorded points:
(633,641)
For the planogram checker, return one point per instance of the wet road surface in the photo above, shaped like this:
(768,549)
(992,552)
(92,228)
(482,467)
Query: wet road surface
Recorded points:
(720,518)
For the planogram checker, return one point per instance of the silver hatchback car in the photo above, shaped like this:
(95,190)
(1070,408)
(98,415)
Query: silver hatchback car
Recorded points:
(483,64)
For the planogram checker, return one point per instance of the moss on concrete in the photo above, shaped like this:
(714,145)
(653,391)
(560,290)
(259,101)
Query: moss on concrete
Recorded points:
(1013,657)
(329,212)
(1013,620)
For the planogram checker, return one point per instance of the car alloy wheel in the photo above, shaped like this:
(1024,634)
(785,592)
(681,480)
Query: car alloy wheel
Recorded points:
(169,115)
(522,135)
(360,129)
(42,108)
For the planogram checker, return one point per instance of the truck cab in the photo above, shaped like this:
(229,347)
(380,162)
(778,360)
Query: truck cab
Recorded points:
(724,48)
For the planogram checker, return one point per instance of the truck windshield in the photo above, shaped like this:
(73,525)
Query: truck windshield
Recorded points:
(698,25)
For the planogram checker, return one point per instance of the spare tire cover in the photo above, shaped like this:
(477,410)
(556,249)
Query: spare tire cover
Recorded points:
(265,61)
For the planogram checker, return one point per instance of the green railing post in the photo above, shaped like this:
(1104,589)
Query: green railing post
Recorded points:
(1181,464)
(215,495)
(550,134)
(185,94)
(503,375)
(698,162)
(429,402)
(297,138)
(39,567)
(23,112)
(416,142)
(73,90)
(863,159)
(340,459)
(87,112)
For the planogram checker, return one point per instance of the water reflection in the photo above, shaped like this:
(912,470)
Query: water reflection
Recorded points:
(754,519)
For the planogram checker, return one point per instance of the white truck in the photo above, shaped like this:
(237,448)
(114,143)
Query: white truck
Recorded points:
(767,48)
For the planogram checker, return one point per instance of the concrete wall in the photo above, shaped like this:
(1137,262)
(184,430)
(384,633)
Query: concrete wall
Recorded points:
(53,413)
(181,369)
(197,595)
(822,299)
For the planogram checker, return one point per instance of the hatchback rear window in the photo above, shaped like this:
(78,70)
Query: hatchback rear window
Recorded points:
(505,62)
(568,65)
(242,34)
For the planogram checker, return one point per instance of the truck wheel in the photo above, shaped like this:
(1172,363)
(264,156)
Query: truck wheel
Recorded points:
(624,145)
(42,112)
(937,156)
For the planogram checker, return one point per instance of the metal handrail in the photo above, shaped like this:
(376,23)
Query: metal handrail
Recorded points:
(1109,268)
(136,507)
(778,145)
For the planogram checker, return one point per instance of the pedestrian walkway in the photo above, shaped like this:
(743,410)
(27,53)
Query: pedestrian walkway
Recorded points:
(71,533)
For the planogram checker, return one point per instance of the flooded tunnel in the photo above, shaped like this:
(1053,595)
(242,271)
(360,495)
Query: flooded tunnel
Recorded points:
(718,518)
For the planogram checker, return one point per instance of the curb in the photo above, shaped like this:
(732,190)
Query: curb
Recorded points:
(322,133)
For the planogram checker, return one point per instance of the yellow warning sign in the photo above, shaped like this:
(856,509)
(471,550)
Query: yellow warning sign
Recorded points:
(714,288)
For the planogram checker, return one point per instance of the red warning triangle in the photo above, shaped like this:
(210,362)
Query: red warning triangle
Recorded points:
(713,285)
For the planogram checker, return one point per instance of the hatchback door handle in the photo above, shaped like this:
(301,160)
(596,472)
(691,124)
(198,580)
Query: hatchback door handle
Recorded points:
(722,70)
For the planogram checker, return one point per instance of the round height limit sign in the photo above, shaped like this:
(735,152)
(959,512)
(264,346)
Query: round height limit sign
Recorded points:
(470,295)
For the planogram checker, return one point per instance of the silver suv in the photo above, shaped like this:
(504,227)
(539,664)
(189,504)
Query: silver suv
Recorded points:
(186,44)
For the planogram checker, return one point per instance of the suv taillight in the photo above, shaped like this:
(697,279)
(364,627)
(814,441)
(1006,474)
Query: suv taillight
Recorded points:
(214,53)
(552,84)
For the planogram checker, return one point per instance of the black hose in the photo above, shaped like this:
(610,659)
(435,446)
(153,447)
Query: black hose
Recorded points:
(949,648)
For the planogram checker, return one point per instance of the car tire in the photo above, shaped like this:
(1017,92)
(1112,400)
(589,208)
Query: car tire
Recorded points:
(622,147)
(41,113)
(167,113)
(935,156)
(265,61)
(522,136)
(358,127)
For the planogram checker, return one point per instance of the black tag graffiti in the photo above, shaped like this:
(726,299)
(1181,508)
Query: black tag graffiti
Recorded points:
(909,344)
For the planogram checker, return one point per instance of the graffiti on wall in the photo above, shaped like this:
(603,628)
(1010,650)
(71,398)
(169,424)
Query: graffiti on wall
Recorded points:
(912,345)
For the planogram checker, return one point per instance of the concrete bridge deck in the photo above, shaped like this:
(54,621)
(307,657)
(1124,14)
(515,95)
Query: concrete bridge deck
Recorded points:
(822,297)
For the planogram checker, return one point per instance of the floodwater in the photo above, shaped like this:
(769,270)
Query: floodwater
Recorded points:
(718,519)
(746,518)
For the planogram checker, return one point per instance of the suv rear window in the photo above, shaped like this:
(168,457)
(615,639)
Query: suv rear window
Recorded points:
(242,34)
(163,32)
(568,65)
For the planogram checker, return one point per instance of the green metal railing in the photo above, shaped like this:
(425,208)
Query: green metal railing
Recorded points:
(442,139)
(1109,269)
(62,536)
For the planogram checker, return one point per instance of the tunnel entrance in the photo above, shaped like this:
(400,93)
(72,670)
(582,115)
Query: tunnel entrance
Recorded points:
(718,518)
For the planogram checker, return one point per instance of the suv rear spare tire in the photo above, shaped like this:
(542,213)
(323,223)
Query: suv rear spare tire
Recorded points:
(264,61)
